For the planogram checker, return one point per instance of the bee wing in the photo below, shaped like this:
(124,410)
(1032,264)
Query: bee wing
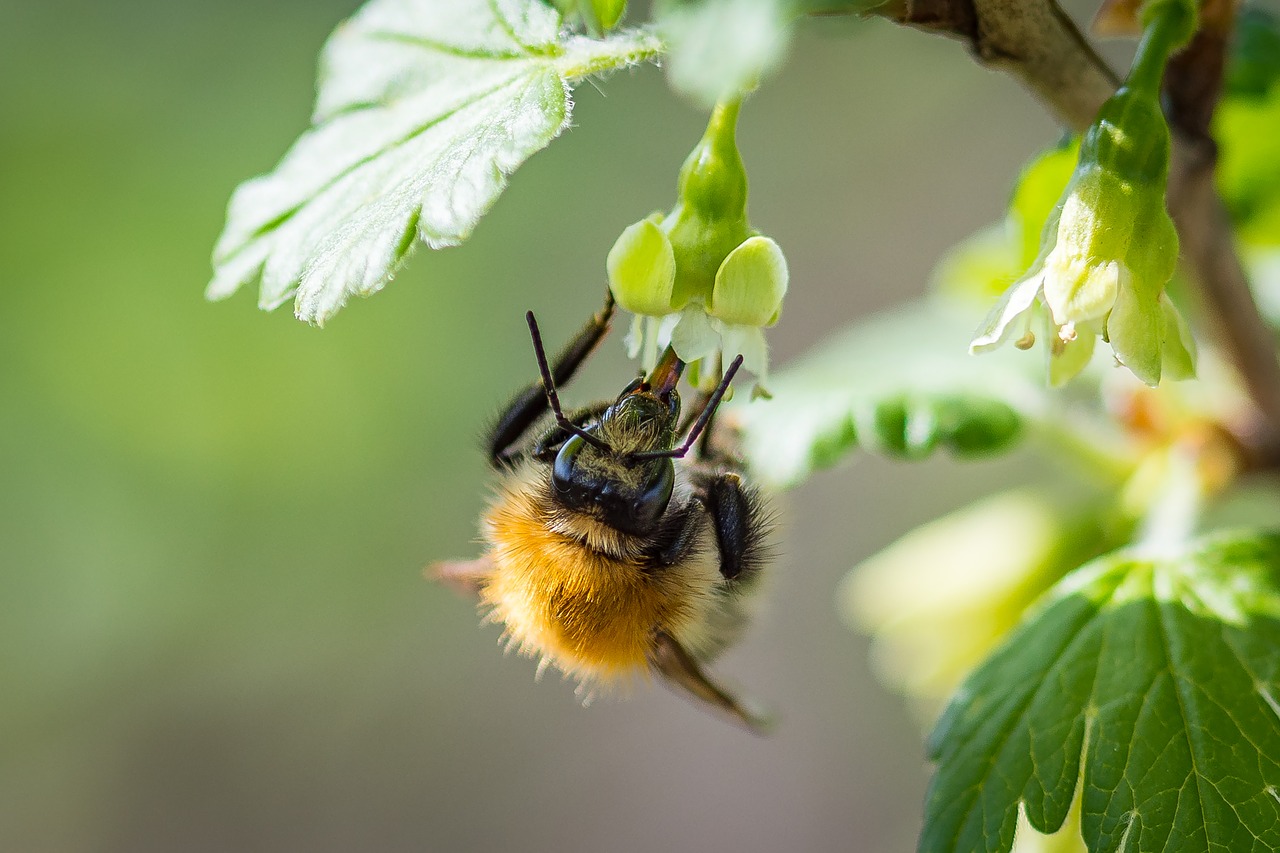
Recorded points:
(681,670)
(463,575)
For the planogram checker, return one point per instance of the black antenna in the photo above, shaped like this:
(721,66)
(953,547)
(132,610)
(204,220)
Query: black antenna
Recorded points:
(549,385)
(707,411)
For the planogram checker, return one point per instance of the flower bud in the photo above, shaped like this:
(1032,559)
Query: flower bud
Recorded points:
(605,13)
(700,279)
(1109,247)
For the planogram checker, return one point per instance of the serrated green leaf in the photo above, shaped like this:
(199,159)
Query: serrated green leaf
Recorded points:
(900,383)
(1154,681)
(423,110)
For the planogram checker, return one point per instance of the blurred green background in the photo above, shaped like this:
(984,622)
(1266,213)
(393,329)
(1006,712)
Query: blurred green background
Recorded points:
(214,634)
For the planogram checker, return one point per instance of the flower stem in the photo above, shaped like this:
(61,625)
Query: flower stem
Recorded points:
(1168,25)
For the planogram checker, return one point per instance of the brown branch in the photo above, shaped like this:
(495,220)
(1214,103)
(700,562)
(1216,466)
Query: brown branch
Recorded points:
(1036,42)
(1192,85)
(1033,40)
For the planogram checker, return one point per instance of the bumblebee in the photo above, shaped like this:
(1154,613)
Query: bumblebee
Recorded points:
(613,547)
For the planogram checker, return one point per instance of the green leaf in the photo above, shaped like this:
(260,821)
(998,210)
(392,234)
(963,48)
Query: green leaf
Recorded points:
(423,110)
(984,265)
(1248,130)
(1039,188)
(939,599)
(1255,53)
(900,383)
(1153,681)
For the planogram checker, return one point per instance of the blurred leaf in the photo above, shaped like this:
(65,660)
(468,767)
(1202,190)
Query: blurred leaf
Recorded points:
(938,600)
(721,48)
(1040,186)
(900,383)
(423,110)
(1155,682)
(1255,53)
(1264,274)
(1248,132)
(982,266)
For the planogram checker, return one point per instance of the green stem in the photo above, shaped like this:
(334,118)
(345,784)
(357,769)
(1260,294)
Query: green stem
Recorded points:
(723,124)
(1168,24)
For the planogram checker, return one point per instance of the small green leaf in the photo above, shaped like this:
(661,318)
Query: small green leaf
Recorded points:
(423,110)
(901,384)
(1154,682)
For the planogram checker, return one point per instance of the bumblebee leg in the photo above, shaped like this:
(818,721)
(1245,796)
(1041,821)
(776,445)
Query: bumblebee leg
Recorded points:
(676,537)
(463,575)
(531,403)
(735,518)
(679,669)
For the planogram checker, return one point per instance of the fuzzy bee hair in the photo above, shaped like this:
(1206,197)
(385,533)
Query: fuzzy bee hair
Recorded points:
(608,553)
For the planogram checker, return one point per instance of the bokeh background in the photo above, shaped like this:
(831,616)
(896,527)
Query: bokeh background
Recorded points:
(214,633)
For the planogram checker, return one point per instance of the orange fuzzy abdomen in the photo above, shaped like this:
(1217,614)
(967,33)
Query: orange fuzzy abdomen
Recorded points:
(591,614)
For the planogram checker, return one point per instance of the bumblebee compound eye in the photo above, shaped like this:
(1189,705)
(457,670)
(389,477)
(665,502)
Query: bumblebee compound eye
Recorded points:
(649,506)
(570,487)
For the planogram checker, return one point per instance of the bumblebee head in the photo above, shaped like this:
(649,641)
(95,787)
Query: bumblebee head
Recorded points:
(624,492)
(621,470)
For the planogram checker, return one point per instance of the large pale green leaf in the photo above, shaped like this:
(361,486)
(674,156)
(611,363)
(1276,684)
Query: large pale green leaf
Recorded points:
(424,108)
(938,601)
(1153,681)
(901,383)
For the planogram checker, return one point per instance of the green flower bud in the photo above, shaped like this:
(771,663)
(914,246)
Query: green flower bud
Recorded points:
(605,14)
(709,219)
(598,16)
(1129,138)
(700,279)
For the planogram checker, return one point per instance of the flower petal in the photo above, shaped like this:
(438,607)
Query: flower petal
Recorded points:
(749,342)
(1011,305)
(1153,255)
(642,269)
(1078,290)
(1067,358)
(750,284)
(1136,331)
(694,336)
(1178,359)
